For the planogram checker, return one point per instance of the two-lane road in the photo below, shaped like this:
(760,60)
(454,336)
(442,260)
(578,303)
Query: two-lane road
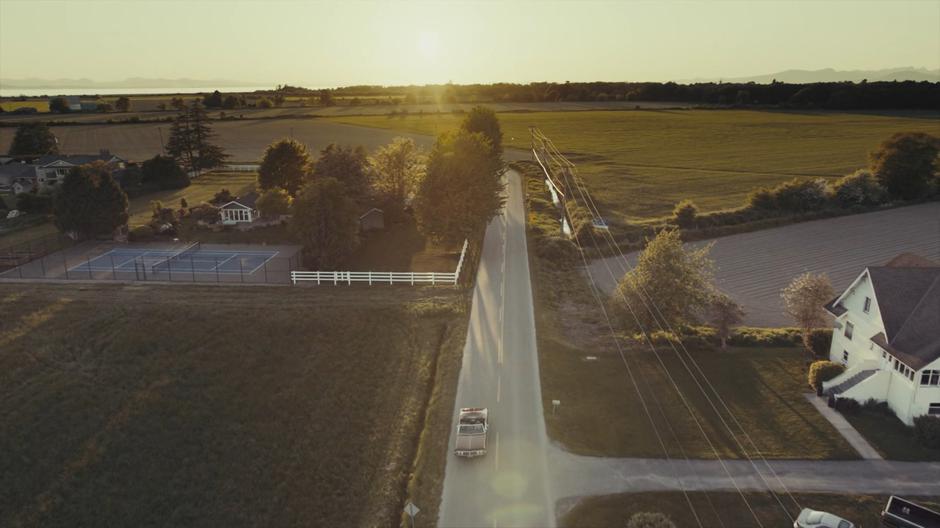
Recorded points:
(509,486)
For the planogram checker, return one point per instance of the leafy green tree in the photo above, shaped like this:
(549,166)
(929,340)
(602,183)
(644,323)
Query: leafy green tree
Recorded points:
(723,314)
(278,99)
(285,164)
(264,102)
(860,188)
(89,202)
(804,299)
(483,120)
(396,170)
(906,163)
(679,281)
(178,104)
(274,202)
(213,100)
(231,102)
(123,104)
(326,221)
(33,139)
(325,97)
(164,172)
(59,105)
(461,191)
(348,165)
(650,520)
(191,140)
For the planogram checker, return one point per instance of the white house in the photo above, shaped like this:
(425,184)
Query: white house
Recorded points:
(887,334)
(240,211)
(51,169)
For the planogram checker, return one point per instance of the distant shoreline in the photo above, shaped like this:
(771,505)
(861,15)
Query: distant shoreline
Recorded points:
(93,91)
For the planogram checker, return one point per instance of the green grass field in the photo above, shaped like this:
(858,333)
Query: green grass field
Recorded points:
(249,406)
(615,510)
(889,435)
(639,164)
(41,105)
(602,415)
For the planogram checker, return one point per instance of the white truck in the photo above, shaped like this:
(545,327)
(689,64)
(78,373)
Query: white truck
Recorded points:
(471,432)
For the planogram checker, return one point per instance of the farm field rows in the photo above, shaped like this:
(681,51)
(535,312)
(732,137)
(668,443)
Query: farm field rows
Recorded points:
(239,406)
(638,164)
(244,141)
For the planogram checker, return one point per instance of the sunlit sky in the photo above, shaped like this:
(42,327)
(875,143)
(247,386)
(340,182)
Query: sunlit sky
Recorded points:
(330,43)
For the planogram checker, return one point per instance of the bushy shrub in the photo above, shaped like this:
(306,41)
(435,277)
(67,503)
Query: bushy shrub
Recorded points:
(762,199)
(274,202)
(765,337)
(140,234)
(34,203)
(685,214)
(927,431)
(204,212)
(650,520)
(800,195)
(859,189)
(557,250)
(847,406)
(820,340)
(223,197)
(822,371)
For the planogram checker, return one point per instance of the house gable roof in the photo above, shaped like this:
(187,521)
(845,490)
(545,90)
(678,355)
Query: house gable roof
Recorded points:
(243,202)
(370,211)
(909,304)
(59,160)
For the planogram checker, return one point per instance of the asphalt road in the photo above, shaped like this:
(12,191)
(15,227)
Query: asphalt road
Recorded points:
(753,267)
(510,485)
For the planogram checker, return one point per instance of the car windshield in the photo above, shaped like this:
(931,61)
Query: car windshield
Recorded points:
(470,429)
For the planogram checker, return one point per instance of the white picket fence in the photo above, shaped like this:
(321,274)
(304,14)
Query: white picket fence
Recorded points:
(382,277)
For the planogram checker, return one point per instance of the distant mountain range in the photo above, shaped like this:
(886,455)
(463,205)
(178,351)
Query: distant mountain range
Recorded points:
(133,82)
(908,73)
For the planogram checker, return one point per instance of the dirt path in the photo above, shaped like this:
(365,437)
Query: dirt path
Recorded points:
(754,267)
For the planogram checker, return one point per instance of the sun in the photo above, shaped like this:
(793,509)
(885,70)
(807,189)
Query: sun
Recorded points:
(428,44)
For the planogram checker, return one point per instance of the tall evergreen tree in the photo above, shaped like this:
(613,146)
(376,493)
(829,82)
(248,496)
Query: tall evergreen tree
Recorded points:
(33,139)
(191,140)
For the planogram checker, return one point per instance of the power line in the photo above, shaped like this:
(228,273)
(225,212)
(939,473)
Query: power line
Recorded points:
(663,325)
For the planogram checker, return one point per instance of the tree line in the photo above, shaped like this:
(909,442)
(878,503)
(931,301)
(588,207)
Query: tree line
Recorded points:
(825,95)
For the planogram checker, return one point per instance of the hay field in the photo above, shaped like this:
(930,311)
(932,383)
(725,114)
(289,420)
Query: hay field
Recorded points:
(246,406)
(639,164)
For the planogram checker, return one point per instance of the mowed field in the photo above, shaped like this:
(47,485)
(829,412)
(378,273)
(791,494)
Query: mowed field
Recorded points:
(726,508)
(638,164)
(250,406)
(244,140)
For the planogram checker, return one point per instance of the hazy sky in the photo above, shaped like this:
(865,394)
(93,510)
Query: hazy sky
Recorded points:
(327,43)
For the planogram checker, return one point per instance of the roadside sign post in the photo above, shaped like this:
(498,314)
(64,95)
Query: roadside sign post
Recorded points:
(411,510)
(555,404)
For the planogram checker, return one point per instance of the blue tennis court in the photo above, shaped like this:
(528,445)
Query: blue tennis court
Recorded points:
(192,259)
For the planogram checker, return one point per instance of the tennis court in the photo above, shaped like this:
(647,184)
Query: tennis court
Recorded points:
(166,262)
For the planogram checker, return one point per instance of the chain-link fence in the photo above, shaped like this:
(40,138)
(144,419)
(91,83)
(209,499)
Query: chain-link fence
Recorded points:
(60,258)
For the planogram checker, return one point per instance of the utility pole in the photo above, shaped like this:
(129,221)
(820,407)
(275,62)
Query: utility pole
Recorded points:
(162,146)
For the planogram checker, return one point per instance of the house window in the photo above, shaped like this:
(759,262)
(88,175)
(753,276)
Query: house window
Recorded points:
(934,409)
(930,378)
(849,327)
(845,356)
(867,304)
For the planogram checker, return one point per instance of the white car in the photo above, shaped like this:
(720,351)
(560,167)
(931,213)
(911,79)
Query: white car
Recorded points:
(816,519)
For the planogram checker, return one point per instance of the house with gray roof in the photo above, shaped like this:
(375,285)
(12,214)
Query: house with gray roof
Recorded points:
(51,169)
(887,334)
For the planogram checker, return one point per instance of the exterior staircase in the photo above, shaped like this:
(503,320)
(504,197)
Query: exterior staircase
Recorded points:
(850,382)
